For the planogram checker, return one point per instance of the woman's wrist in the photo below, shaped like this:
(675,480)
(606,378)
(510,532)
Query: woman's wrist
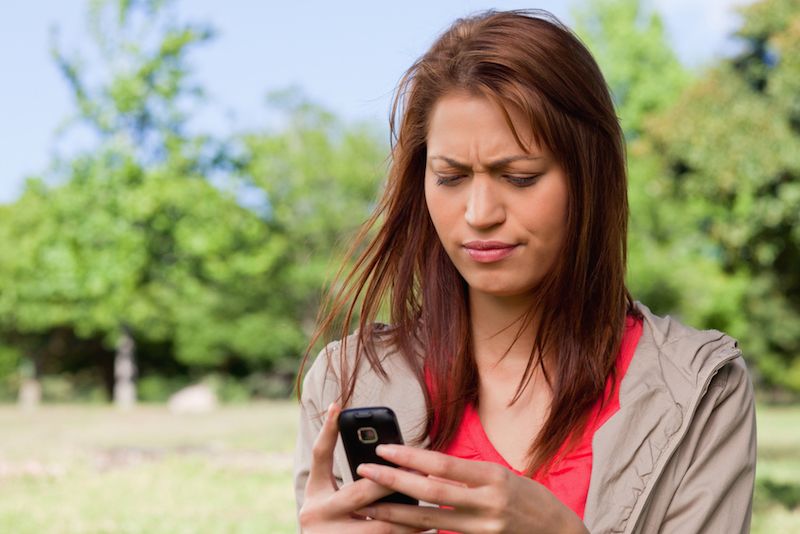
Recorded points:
(569,523)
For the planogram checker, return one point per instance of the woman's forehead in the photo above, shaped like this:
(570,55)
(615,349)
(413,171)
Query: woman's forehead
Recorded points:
(468,126)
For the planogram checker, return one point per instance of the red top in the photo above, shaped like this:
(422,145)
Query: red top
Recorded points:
(569,478)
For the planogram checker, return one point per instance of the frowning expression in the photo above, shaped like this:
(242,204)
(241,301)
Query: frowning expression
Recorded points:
(500,211)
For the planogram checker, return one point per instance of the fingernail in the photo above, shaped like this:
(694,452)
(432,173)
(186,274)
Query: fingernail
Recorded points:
(386,451)
(368,512)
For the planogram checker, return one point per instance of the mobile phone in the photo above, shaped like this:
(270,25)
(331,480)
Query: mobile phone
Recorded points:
(362,430)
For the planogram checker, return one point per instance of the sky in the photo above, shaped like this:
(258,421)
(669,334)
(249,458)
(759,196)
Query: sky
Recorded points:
(346,56)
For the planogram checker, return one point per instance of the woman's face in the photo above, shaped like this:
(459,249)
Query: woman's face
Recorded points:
(499,211)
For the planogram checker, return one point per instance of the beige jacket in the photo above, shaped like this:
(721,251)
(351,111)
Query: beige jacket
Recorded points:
(678,457)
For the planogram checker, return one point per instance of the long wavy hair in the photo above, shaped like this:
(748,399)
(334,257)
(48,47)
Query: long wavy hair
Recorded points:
(529,60)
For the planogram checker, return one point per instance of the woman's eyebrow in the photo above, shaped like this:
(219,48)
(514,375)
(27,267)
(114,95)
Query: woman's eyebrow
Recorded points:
(502,162)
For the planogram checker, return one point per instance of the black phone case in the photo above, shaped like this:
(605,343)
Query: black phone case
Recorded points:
(384,422)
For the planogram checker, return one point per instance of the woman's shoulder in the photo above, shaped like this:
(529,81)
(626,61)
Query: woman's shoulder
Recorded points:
(683,343)
(683,354)
(377,337)
(349,354)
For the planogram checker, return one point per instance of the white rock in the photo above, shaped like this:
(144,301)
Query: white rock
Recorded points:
(199,398)
(30,394)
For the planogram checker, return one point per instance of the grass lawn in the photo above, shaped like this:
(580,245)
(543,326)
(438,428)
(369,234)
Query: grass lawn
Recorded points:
(777,499)
(90,469)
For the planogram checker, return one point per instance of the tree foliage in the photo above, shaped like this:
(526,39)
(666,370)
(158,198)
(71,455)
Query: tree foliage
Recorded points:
(672,266)
(630,44)
(213,251)
(153,231)
(321,179)
(731,149)
(714,181)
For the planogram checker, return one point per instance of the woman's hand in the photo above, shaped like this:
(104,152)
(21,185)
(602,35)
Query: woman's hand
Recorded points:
(483,496)
(326,509)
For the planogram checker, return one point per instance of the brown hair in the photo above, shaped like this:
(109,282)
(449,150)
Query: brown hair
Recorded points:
(529,60)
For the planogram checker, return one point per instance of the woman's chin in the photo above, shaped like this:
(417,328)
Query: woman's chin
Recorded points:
(496,290)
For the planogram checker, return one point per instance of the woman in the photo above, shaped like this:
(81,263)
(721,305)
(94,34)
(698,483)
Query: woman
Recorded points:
(535,394)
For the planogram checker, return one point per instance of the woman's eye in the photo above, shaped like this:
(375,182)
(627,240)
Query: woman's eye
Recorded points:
(522,180)
(448,179)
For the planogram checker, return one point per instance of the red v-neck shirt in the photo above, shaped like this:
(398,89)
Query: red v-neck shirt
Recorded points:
(568,479)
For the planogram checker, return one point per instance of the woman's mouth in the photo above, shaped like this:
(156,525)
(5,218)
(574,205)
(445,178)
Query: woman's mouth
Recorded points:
(489,251)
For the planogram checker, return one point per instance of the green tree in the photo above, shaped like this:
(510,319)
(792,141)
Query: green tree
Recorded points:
(320,178)
(731,148)
(672,266)
(132,242)
(630,45)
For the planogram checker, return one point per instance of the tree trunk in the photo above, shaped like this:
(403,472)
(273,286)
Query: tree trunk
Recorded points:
(125,371)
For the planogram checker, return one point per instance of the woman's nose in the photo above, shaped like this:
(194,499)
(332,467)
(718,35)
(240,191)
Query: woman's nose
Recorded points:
(484,205)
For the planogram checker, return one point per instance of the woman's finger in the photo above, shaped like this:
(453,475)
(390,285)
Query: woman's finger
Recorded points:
(421,518)
(442,465)
(360,493)
(370,527)
(319,478)
(419,486)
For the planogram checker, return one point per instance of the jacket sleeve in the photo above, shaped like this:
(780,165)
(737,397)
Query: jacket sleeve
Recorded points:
(320,388)
(717,460)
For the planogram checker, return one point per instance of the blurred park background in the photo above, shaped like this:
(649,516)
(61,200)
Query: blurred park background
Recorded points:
(178,225)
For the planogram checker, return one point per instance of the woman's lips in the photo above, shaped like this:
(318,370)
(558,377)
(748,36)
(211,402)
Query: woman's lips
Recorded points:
(488,251)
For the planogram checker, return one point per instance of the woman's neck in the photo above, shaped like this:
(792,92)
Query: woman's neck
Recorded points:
(495,323)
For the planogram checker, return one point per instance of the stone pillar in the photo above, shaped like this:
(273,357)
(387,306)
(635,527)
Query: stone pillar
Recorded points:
(30,394)
(30,391)
(125,371)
